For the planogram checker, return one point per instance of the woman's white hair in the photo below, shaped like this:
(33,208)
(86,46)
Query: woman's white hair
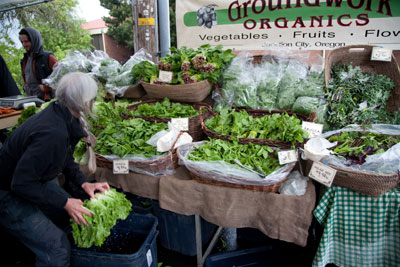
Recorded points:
(77,91)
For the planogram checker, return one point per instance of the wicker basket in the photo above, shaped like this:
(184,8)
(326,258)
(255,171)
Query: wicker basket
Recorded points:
(195,130)
(255,113)
(134,92)
(154,166)
(360,55)
(365,183)
(192,92)
(207,177)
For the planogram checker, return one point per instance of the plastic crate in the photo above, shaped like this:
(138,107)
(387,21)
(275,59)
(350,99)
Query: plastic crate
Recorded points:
(178,232)
(252,257)
(252,235)
(140,205)
(137,233)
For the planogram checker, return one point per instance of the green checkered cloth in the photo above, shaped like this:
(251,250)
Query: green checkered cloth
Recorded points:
(358,230)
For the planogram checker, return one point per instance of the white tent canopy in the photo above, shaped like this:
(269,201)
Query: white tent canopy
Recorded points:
(6,5)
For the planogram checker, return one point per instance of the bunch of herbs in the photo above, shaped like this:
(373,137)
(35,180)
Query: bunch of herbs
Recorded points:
(358,97)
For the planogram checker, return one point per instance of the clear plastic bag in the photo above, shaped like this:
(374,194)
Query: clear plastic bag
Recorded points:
(295,185)
(305,105)
(118,82)
(383,163)
(226,172)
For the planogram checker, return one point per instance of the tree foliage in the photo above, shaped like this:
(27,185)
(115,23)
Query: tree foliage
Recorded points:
(58,24)
(120,22)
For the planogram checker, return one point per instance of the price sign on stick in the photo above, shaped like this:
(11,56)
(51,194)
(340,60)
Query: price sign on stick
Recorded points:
(381,54)
(287,156)
(165,76)
(322,173)
(120,166)
(313,129)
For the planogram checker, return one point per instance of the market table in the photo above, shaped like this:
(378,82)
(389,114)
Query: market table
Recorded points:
(9,120)
(282,217)
(358,230)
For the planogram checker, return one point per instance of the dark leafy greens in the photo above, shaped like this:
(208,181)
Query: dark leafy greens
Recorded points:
(248,154)
(358,97)
(166,109)
(128,137)
(278,126)
(357,146)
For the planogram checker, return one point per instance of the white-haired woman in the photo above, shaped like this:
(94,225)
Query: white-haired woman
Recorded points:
(33,156)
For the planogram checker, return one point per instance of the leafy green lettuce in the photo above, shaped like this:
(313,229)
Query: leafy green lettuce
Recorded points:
(106,209)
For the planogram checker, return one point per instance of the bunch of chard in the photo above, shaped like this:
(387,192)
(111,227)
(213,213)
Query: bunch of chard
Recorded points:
(357,146)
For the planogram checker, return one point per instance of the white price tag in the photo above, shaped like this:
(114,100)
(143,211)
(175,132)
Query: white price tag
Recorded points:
(181,123)
(29,104)
(120,166)
(322,173)
(149,258)
(313,129)
(381,54)
(165,76)
(287,156)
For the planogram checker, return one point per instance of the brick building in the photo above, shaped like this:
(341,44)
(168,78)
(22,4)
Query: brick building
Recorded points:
(104,42)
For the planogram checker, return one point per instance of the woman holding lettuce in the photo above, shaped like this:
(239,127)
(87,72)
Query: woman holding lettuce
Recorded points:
(32,204)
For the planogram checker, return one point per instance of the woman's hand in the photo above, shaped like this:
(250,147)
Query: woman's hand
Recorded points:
(74,207)
(90,188)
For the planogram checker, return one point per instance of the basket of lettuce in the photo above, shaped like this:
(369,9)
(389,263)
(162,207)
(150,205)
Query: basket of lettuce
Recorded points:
(164,110)
(230,164)
(273,128)
(119,138)
(366,158)
(193,73)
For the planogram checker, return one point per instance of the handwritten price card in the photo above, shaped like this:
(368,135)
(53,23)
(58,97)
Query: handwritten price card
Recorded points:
(381,54)
(313,129)
(287,156)
(120,166)
(165,76)
(322,173)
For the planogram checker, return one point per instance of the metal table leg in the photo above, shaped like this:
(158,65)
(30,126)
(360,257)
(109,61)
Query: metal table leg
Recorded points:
(199,250)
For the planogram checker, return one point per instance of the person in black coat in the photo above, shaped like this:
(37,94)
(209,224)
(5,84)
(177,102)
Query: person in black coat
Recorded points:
(8,87)
(32,203)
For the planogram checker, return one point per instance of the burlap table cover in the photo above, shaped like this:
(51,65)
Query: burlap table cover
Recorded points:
(282,217)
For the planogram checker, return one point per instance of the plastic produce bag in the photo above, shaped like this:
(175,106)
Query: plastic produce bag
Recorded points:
(164,140)
(118,82)
(226,172)
(267,76)
(387,162)
(73,61)
(312,86)
(295,185)
(305,105)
